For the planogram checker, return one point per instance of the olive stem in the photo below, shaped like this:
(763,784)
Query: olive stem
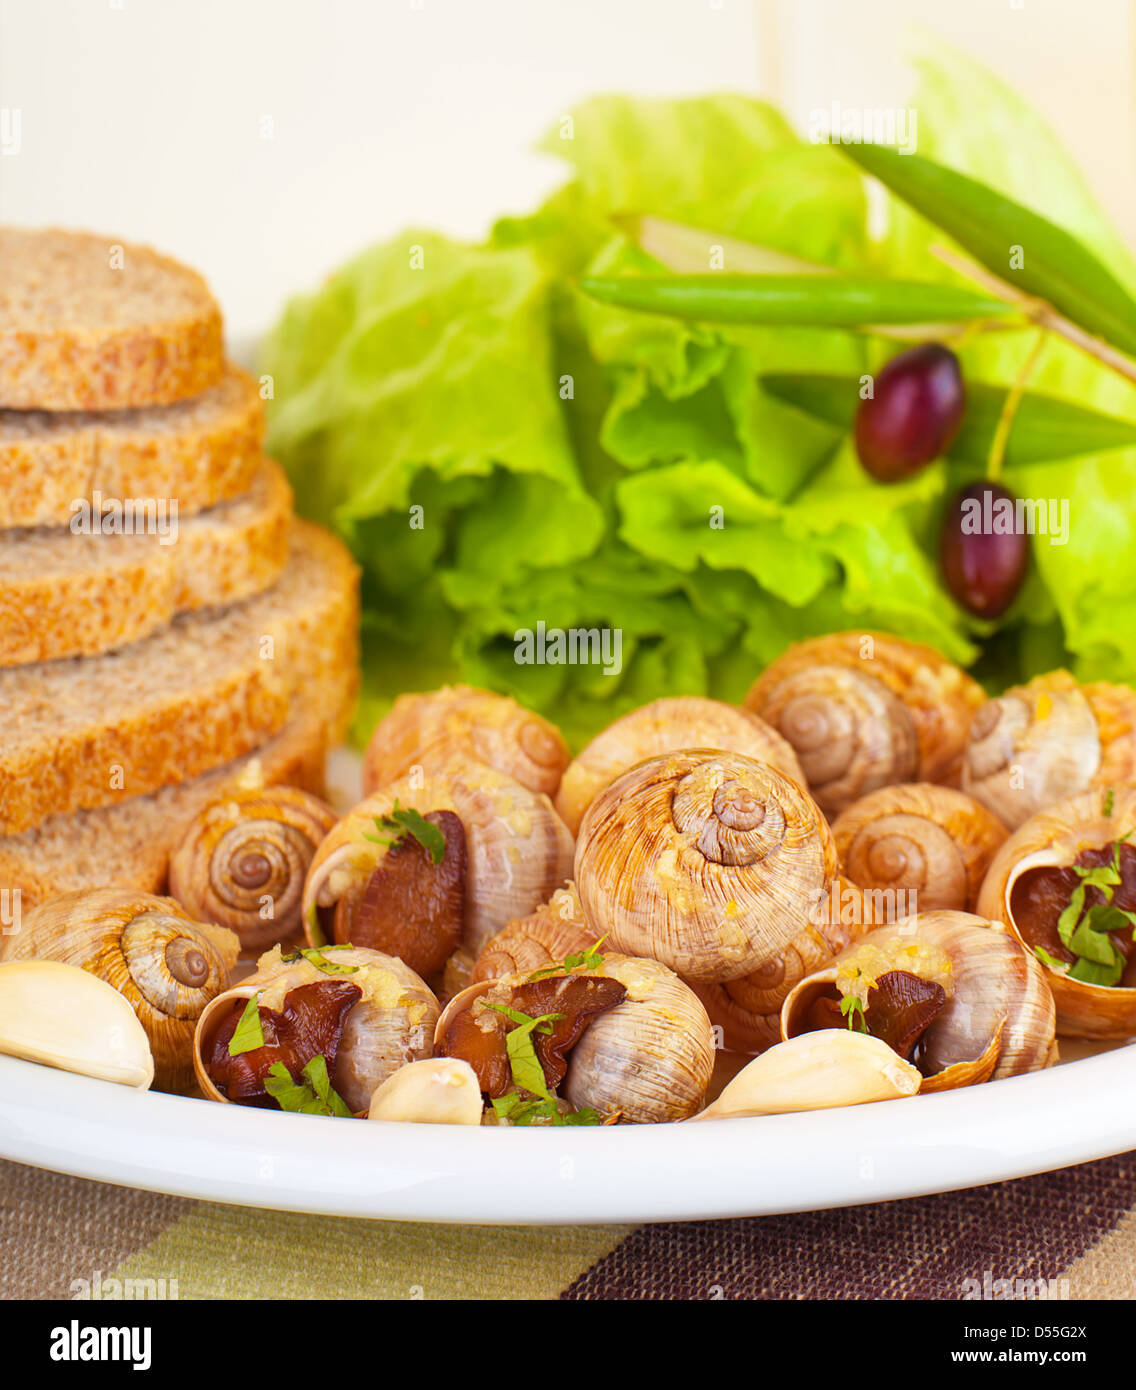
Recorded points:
(1042,313)
(1010,409)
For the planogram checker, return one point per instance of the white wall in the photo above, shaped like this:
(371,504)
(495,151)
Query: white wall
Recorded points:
(144,120)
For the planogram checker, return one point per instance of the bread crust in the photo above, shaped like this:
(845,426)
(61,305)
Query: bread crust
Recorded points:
(202,451)
(90,322)
(64,594)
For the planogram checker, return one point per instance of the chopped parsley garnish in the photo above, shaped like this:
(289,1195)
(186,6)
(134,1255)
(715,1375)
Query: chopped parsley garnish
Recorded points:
(852,1008)
(319,960)
(591,959)
(248,1034)
(523,1061)
(1109,801)
(528,1112)
(401,823)
(1086,932)
(315,1095)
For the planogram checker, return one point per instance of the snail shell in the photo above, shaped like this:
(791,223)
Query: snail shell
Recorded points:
(391,1025)
(933,844)
(998,1019)
(746,1013)
(243,860)
(518,849)
(864,710)
(167,966)
(428,730)
(662,727)
(545,937)
(705,860)
(1048,740)
(649,1059)
(65,1017)
(1053,839)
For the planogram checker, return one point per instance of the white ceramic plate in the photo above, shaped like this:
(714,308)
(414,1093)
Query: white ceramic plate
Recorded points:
(870,1153)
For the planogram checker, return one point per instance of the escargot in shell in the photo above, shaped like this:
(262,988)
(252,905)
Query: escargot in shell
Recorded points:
(955,995)
(364,1013)
(428,730)
(661,727)
(431,866)
(705,860)
(1077,851)
(1048,740)
(242,862)
(864,710)
(931,844)
(167,966)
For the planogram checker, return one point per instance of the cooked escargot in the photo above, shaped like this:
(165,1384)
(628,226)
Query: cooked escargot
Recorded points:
(428,730)
(662,727)
(167,966)
(242,862)
(955,995)
(1052,738)
(556,930)
(65,1017)
(630,1040)
(366,1014)
(746,1013)
(431,864)
(931,844)
(1076,852)
(705,860)
(864,710)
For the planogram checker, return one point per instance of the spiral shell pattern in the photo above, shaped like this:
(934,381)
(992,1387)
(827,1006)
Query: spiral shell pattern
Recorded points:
(660,727)
(931,844)
(167,966)
(704,860)
(242,862)
(458,721)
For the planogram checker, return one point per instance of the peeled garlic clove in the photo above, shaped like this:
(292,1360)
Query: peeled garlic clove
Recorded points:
(437,1091)
(662,727)
(428,730)
(816,1071)
(865,710)
(67,1018)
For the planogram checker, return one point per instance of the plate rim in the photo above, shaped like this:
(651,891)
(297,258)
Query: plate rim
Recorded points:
(885,1151)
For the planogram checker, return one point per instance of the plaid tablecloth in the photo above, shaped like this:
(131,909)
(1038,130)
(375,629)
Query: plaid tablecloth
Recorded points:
(1075,1229)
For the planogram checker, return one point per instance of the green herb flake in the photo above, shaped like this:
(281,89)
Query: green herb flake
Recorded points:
(525,1065)
(315,1095)
(317,958)
(515,1111)
(248,1034)
(402,822)
(1109,801)
(1047,959)
(590,959)
(852,1008)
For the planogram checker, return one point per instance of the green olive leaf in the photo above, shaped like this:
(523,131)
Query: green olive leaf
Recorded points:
(832,301)
(1045,428)
(1055,266)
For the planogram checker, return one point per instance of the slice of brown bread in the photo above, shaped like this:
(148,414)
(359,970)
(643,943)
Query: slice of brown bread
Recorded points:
(94,323)
(66,594)
(208,688)
(202,451)
(129,845)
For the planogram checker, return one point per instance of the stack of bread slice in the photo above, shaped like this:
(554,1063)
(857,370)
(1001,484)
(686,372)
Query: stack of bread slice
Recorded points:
(167,628)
